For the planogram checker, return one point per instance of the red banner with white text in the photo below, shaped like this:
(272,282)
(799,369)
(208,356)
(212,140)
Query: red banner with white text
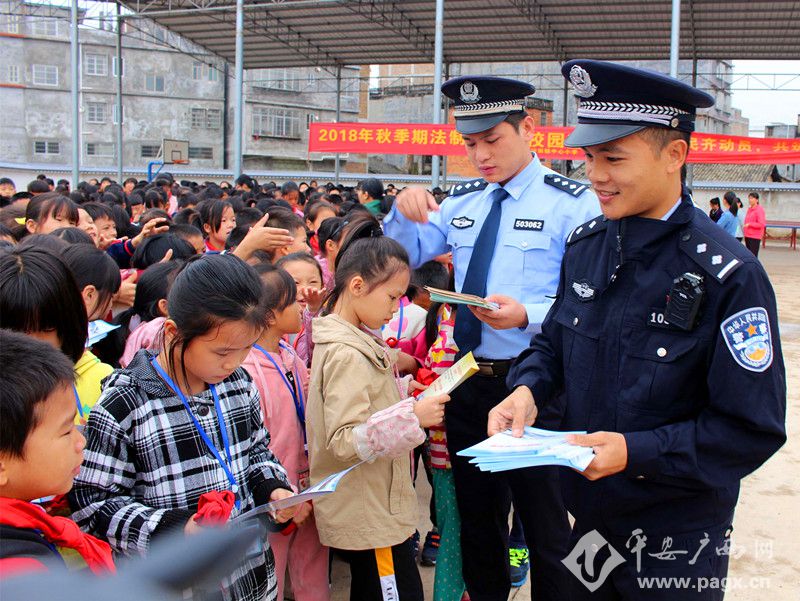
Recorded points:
(548,143)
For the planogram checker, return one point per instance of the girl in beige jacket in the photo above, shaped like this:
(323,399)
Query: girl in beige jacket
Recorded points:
(355,412)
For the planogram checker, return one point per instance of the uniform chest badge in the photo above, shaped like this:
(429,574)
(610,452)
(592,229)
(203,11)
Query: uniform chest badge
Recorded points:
(583,290)
(749,339)
(462,222)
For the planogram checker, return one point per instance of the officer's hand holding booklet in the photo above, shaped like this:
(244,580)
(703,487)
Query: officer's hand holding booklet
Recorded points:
(456,298)
(503,451)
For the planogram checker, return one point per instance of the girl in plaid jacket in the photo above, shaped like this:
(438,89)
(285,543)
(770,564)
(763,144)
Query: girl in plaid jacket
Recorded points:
(187,421)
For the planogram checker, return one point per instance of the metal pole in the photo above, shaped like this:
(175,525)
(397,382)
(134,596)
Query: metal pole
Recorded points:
(237,110)
(438,52)
(119,96)
(445,115)
(675,38)
(76,117)
(337,162)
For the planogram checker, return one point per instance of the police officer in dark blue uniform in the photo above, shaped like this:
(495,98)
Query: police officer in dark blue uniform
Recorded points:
(663,341)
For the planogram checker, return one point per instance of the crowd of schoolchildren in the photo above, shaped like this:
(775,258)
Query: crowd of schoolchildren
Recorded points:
(177,354)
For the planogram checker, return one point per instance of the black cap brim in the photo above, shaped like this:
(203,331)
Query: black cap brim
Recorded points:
(591,134)
(476,125)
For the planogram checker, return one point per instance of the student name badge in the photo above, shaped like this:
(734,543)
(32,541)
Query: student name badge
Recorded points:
(303,480)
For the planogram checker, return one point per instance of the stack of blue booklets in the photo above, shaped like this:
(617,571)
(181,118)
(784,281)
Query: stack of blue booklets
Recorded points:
(536,447)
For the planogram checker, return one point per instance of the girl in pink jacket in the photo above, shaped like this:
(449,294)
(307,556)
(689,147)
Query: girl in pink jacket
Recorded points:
(282,380)
(755,224)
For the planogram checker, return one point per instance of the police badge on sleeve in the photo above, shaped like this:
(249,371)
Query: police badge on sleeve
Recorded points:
(749,338)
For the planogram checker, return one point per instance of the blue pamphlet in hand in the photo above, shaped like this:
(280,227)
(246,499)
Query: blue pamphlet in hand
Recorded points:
(504,452)
(98,329)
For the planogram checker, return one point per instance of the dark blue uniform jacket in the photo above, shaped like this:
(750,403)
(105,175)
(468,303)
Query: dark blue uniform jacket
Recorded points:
(697,414)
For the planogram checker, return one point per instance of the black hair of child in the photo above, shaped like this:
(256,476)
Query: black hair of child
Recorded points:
(365,251)
(330,229)
(98,210)
(280,289)
(313,208)
(285,219)
(32,371)
(154,214)
(189,216)
(45,205)
(72,235)
(210,290)
(211,213)
(248,217)
(152,286)
(236,236)
(154,199)
(184,231)
(302,258)
(153,249)
(122,222)
(38,293)
(372,186)
(93,267)
(38,186)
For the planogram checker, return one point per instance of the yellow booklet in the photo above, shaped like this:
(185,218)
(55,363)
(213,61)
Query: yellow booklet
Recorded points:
(453,377)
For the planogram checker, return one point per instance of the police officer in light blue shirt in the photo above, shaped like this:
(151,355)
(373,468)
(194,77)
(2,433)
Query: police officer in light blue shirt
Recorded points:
(507,233)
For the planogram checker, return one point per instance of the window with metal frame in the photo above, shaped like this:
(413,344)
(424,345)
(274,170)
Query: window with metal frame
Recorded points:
(45,75)
(95,112)
(96,64)
(276,122)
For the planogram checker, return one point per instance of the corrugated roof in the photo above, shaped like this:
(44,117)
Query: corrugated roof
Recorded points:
(357,32)
(713,172)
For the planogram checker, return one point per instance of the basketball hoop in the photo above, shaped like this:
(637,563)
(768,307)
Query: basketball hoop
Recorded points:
(180,162)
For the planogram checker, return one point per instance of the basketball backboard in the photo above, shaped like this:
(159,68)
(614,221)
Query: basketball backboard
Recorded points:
(175,152)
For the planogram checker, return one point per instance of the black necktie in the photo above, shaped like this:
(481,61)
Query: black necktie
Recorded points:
(467,331)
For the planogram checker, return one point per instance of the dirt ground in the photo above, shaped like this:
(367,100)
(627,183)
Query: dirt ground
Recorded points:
(765,555)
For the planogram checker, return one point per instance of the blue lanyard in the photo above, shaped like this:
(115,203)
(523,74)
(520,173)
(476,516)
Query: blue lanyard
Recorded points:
(399,323)
(296,391)
(77,400)
(226,467)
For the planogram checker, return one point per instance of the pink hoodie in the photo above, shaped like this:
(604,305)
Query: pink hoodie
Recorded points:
(146,335)
(278,407)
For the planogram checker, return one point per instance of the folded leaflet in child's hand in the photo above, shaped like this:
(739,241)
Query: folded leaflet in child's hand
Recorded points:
(325,487)
(456,298)
(453,377)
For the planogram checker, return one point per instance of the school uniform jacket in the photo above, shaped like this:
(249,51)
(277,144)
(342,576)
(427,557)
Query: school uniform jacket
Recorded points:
(146,465)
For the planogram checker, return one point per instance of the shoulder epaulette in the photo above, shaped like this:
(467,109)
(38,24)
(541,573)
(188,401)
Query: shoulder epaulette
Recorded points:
(709,254)
(570,186)
(598,224)
(473,186)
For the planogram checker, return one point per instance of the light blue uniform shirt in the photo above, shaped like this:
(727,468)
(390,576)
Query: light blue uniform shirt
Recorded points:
(536,220)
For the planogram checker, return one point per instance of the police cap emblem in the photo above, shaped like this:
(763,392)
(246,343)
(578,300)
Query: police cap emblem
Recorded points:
(581,81)
(749,339)
(469,92)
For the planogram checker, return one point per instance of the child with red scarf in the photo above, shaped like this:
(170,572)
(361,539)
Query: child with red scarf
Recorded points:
(41,451)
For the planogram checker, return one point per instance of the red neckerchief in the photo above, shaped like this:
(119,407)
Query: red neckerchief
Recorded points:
(211,247)
(61,532)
